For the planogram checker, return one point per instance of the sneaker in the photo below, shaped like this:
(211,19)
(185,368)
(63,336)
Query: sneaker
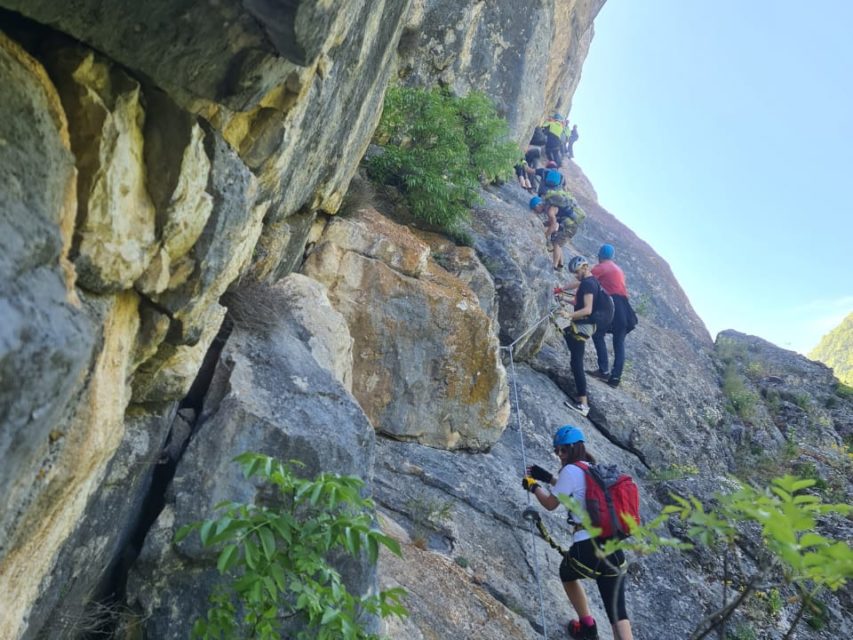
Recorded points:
(582,632)
(613,382)
(582,409)
(599,375)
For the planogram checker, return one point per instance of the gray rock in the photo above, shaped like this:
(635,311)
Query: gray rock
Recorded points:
(105,540)
(510,242)
(224,247)
(46,338)
(270,396)
(527,57)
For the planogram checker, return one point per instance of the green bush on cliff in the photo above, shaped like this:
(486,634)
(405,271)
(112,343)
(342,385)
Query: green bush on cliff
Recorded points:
(436,148)
(276,558)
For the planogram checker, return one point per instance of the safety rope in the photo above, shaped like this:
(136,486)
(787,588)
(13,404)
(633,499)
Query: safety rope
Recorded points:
(511,348)
(531,515)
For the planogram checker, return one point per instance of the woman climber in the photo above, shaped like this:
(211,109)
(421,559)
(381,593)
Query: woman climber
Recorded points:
(581,560)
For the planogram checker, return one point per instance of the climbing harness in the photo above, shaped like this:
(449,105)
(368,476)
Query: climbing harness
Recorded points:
(510,348)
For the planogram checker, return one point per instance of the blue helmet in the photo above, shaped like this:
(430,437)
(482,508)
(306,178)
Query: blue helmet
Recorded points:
(535,201)
(568,435)
(557,116)
(606,252)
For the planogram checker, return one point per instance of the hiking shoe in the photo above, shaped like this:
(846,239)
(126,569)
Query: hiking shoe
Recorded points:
(599,375)
(613,382)
(582,632)
(582,409)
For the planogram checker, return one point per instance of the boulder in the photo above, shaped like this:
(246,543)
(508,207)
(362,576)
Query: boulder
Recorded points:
(426,363)
(269,395)
(301,303)
(463,263)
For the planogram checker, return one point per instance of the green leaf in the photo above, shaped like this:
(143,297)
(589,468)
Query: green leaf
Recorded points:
(205,532)
(184,531)
(267,542)
(251,553)
(227,557)
(329,615)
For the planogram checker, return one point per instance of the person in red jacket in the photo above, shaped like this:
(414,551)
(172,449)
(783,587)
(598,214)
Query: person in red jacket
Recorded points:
(612,280)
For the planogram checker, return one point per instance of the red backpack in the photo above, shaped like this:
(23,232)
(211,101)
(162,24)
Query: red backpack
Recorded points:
(612,498)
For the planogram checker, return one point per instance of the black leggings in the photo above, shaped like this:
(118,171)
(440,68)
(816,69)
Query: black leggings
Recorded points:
(576,348)
(581,562)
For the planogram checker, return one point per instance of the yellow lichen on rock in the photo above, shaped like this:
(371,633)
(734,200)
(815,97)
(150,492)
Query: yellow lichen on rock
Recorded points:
(91,435)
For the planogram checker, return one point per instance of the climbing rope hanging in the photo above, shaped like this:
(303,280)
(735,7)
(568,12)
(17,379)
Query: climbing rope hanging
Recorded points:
(511,349)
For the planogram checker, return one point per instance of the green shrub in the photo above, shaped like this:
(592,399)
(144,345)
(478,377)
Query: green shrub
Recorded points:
(844,391)
(673,472)
(741,632)
(437,148)
(276,557)
(642,304)
(739,400)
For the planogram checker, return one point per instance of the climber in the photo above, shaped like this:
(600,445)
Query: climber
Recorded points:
(581,560)
(521,173)
(553,128)
(573,137)
(561,216)
(550,178)
(580,330)
(612,280)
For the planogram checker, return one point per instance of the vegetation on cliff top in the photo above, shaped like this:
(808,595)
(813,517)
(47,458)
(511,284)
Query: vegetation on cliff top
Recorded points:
(436,148)
(835,350)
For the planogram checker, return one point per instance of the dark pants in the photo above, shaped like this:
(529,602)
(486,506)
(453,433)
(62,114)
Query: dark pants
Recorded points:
(618,352)
(576,349)
(554,148)
(624,320)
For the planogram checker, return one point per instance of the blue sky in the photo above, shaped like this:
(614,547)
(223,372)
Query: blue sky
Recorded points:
(721,132)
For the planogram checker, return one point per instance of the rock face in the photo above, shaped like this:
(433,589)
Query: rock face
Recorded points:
(439,380)
(201,139)
(162,175)
(527,57)
(509,241)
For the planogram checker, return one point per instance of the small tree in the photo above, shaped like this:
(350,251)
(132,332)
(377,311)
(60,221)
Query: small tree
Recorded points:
(277,558)
(437,147)
(790,547)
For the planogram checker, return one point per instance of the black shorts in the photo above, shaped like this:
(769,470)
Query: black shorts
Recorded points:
(581,562)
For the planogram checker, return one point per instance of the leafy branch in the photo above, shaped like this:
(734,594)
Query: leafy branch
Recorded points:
(276,558)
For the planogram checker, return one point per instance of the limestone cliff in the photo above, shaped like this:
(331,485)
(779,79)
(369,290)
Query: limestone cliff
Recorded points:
(176,289)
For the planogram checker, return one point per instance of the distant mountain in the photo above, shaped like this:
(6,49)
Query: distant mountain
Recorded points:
(835,350)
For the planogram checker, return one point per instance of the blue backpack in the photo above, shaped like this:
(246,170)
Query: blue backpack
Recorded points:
(553,178)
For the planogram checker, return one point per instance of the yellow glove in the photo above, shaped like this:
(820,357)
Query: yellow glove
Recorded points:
(530,484)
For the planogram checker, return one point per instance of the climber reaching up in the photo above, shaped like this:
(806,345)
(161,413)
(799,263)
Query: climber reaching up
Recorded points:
(581,561)
(560,223)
